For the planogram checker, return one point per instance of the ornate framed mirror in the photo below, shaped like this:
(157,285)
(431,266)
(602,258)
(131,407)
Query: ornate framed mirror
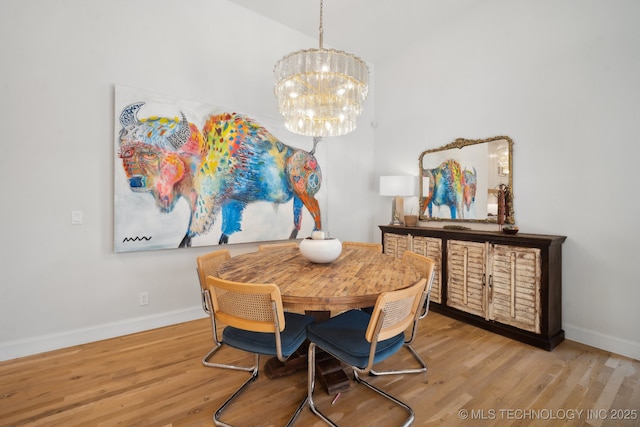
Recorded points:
(468,180)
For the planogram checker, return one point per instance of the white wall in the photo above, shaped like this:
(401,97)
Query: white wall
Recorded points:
(561,79)
(61,284)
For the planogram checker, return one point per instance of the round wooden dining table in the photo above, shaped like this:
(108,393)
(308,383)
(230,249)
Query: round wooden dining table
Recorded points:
(354,280)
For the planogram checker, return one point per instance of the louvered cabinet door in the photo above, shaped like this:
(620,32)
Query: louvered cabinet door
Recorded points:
(466,273)
(396,244)
(514,286)
(431,248)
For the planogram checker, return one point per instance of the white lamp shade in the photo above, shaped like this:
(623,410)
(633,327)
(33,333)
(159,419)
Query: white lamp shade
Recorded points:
(402,185)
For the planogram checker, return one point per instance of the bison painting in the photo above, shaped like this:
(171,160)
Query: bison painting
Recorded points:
(450,186)
(231,162)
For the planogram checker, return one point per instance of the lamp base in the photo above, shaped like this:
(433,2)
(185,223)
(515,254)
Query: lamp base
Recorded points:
(397,211)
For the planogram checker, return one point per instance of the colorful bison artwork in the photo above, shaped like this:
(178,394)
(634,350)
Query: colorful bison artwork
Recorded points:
(218,170)
(450,186)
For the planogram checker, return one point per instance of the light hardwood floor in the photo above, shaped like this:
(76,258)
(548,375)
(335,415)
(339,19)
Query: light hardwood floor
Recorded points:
(155,378)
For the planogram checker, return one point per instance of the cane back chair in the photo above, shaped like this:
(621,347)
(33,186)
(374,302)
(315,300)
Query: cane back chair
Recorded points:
(207,265)
(269,246)
(256,323)
(360,340)
(376,247)
(426,266)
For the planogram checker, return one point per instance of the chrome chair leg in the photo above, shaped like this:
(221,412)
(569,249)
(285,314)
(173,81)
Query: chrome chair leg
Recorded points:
(205,359)
(423,365)
(312,382)
(406,407)
(358,379)
(294,417)
(252,378)
(205,362)
(254,375)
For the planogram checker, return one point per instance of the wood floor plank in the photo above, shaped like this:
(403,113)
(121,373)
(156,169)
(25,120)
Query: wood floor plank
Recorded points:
(155,378)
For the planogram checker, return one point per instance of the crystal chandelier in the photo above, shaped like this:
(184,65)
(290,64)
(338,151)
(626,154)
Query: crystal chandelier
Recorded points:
(320,91)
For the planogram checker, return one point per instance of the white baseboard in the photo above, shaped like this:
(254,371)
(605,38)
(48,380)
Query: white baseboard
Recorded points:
(605,342)
(35,345)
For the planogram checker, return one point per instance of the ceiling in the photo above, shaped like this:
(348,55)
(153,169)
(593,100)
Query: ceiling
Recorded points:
(370,29)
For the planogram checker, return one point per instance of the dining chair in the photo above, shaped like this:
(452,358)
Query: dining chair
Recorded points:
(426,266)
(376,247)
(256,323)
(207,265)
(360,340)
(268,246)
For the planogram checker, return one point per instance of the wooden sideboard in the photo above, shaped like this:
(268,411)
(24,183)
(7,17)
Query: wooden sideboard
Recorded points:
(508,284)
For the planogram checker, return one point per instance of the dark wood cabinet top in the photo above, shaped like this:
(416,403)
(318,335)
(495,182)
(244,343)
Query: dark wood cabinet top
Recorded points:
(520,239)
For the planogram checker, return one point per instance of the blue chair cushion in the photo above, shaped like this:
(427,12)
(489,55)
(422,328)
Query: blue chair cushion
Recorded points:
(343,336)
(292,337)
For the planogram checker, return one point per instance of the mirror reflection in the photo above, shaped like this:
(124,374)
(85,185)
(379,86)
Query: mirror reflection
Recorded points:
(468,180)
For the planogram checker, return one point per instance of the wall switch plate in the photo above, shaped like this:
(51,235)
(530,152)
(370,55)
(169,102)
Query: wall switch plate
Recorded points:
(76,217)
(143,298)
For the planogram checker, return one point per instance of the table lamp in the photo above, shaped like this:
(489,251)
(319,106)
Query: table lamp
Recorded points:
(398,187)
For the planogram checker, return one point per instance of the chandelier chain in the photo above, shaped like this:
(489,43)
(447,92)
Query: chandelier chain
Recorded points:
(320,29)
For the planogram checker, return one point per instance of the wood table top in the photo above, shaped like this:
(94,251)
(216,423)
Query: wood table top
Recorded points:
(354,280)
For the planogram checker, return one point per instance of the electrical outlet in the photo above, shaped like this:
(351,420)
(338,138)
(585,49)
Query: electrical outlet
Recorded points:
(143,298)
(76,217)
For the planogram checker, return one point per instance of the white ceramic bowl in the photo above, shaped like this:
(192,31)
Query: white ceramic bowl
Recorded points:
(321,251)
